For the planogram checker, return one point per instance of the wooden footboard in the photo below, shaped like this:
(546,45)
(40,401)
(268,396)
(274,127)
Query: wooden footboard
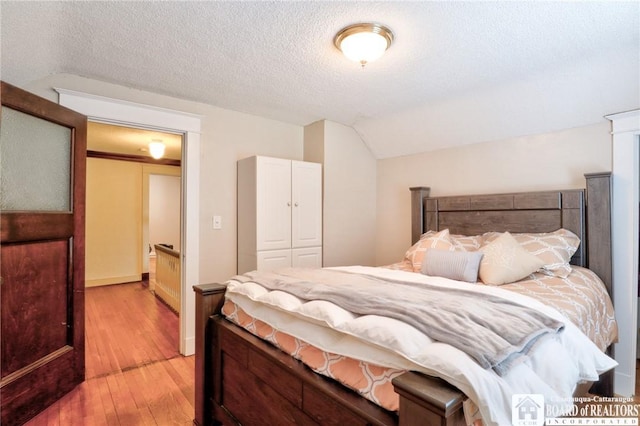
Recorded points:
(241,379)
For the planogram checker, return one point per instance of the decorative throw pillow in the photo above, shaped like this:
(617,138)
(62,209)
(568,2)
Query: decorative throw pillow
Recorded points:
(466,242)
(506,261)
(438,240)
(455,265)
(554,248)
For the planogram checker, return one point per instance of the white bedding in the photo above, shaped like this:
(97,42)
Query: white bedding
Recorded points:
(555,367)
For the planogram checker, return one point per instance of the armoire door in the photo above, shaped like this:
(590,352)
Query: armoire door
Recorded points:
(306,213)
(42,205)
(273,203)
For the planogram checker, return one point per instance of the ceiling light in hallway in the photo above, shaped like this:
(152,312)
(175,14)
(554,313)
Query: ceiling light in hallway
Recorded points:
(156,148)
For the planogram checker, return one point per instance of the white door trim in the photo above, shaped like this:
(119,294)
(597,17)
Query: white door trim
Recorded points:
(99,108)
(624,226)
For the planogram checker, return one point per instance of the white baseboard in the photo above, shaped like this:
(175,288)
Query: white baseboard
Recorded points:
(113,280)
(188,346)
(624,384)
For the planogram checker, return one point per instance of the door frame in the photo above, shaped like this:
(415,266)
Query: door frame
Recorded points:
(121,112)
(625,134)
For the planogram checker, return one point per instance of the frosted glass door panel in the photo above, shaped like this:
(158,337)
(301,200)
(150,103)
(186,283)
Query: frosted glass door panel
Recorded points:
(35,164)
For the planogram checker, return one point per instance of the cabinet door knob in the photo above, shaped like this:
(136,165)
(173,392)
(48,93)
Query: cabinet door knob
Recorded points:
(296,204)
(289,203)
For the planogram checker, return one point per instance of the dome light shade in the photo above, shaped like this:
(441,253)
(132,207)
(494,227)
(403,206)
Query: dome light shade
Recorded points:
(156,149)
(363,43)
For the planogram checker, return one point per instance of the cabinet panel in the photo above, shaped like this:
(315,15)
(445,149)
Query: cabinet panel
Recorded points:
(306,215)
(273,203)
(279,209)
(306,257)
(273,259)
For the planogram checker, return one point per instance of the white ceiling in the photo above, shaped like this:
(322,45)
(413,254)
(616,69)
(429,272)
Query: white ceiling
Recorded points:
(457,73)
(126,140)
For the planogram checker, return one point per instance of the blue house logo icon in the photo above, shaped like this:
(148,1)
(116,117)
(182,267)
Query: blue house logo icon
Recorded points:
(527,410)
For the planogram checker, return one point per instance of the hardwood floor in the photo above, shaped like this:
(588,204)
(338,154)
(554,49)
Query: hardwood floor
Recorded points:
(134,373)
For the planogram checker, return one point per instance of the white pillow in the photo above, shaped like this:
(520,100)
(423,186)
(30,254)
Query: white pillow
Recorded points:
(506,261)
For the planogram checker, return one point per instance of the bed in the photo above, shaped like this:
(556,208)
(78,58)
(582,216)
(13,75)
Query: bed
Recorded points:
(243,379)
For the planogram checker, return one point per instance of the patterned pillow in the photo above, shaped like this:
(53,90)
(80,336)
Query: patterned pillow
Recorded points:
(466,242)
(436,240)
(506,261)
(554,248)
(455,265)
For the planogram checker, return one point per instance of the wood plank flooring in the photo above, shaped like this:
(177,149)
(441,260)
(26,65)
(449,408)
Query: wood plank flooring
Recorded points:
(134,373)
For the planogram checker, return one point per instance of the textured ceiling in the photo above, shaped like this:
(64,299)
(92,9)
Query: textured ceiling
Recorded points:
(457,73)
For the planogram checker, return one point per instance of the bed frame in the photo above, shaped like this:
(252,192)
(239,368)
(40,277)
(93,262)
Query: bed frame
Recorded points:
(241,379)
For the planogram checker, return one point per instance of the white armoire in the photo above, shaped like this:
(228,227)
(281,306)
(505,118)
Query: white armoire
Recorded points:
(279,214)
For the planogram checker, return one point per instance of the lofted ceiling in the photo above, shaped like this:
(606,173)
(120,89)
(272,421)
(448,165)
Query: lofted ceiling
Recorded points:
(457,73)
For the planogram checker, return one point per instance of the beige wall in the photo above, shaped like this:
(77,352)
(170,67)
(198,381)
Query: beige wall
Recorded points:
(349,200)
(117,219)
(226,137)
(229,136)
(164,210)
(366,217)
(548,161)
(314,142)
(149,170)
(114,222)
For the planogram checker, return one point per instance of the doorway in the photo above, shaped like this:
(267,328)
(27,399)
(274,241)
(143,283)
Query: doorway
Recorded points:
(109,110)
(161,198)
(118,216)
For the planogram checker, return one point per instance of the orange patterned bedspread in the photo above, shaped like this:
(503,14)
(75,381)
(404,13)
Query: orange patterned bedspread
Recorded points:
(371,381)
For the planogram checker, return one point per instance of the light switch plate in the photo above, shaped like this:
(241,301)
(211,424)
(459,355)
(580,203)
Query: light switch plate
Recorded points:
(217,222)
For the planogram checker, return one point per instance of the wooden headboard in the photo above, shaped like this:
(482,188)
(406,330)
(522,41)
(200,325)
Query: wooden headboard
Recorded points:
(585,212)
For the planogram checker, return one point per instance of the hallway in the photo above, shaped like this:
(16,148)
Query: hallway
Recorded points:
(134,373)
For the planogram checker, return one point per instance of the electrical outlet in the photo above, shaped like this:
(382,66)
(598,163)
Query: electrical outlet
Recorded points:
(217,222)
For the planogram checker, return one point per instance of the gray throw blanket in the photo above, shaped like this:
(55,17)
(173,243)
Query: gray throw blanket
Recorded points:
(492,330)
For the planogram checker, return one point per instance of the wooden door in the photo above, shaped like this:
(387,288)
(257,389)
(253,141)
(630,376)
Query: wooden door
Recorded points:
(42,203)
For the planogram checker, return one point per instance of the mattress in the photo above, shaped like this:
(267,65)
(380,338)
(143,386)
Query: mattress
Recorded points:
(371,381)
(368,368)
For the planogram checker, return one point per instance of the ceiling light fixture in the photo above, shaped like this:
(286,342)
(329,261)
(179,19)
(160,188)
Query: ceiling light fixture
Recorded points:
(363,42)
(156,148)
